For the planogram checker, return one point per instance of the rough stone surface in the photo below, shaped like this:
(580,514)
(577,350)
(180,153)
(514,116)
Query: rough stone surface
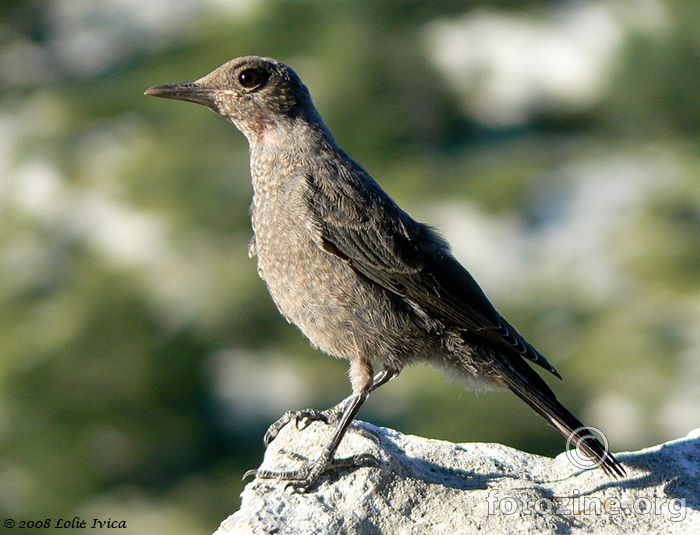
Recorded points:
(427,487)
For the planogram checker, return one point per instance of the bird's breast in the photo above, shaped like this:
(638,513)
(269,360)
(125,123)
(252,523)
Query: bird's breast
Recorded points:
(305,282)
(339,310)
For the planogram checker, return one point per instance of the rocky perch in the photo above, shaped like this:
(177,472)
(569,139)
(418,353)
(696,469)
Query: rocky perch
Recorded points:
(427,487)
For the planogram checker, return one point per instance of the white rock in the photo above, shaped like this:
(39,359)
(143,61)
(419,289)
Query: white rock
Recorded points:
(428,487)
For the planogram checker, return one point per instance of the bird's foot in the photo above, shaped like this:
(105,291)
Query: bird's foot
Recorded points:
(308,475)
(303,418)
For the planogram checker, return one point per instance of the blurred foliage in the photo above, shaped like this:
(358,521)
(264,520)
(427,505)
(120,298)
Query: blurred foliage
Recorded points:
(124,229)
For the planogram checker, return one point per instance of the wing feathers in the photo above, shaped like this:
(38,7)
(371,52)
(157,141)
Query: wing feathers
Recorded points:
(359,223)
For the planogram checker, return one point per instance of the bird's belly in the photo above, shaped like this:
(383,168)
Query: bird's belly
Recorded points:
(340,311)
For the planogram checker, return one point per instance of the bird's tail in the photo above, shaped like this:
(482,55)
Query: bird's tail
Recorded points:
(521,379)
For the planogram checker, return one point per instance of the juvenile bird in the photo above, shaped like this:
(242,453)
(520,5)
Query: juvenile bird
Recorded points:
(360,278)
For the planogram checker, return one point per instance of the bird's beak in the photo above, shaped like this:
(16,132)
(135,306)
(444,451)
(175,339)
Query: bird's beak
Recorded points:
(189,91)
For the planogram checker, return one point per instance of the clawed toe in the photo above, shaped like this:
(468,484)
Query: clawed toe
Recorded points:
(367,433)
(309,474)
(298,416)
(305,416)
(277,426)
(355,461)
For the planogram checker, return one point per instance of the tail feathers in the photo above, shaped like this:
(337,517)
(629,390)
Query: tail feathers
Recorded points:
(531,388)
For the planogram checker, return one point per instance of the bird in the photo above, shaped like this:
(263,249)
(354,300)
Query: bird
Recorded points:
(354,272)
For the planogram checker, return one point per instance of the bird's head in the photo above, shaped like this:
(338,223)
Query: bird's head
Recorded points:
(257,94)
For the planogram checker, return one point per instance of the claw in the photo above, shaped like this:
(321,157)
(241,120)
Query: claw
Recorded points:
(276,427)
(310,415)
(253,472)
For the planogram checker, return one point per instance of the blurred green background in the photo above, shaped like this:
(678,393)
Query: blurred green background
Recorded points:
(556,145)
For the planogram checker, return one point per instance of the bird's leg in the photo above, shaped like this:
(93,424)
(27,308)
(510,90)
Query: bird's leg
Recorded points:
(328,416)
(309,474)
(347,410)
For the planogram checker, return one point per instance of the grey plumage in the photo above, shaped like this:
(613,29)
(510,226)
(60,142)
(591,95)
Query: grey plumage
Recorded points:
(361,278)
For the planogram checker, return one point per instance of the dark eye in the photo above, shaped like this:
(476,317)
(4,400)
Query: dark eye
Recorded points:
(250,78)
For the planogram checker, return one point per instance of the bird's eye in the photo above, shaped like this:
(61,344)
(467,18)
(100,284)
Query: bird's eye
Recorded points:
(250,78)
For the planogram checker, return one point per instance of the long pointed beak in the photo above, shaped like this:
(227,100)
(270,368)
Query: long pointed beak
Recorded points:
(189,91)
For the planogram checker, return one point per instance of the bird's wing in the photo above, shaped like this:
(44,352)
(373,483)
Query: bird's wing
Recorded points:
(355,220)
